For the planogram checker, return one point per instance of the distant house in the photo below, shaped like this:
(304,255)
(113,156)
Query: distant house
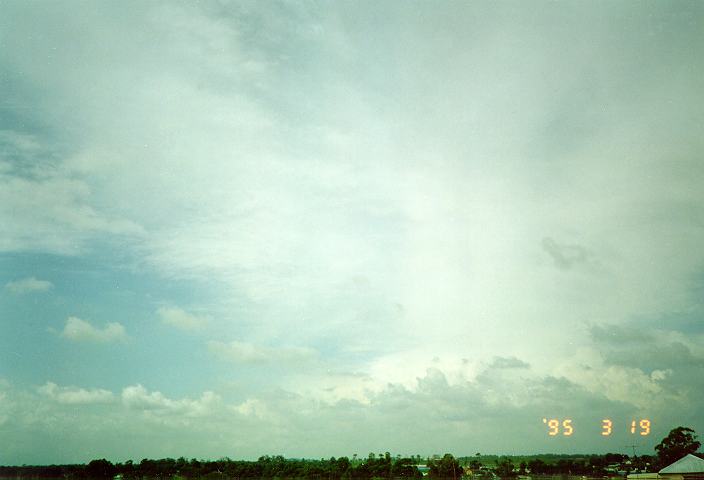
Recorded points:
(689,467)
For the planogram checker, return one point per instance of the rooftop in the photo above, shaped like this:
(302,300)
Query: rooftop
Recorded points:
(686,464)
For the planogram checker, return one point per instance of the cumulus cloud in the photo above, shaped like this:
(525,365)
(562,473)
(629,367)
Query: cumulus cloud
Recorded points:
(660,374)
(649,349)
(82,331)
(75,395)
(657,370)
(454,412)
(137,397)
(27,285)
(179,318)
(242,352)
(253,407)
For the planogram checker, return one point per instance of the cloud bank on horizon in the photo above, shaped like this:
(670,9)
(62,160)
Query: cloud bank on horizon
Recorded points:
(232,229)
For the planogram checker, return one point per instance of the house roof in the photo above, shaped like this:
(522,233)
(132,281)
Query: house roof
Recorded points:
(687,464)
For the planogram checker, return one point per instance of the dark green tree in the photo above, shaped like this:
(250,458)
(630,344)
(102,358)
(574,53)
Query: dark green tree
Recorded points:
(678,443)
(446,467)
(100,469)
(405,468)
(504,468)
(537,467)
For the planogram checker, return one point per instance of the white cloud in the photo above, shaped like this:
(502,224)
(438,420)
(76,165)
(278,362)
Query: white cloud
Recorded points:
(241,352)
(137,397)
(623,384)
(80,330)
(74,395)
(253,407)
(658,375)
(27,285)
(179,318)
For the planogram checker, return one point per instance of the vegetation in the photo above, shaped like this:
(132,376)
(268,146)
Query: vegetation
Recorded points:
(373,467)
(446,467)
(678,443)
(265,468)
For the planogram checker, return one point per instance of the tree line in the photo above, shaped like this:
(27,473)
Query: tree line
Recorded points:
(266,467)
(277,467)
(679,442)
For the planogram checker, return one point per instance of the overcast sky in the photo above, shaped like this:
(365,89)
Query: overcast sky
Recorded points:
(326,228)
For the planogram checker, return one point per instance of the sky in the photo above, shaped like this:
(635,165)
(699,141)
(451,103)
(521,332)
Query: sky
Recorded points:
(327,228)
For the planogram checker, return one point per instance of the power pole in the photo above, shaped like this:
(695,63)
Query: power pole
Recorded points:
(634,449)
